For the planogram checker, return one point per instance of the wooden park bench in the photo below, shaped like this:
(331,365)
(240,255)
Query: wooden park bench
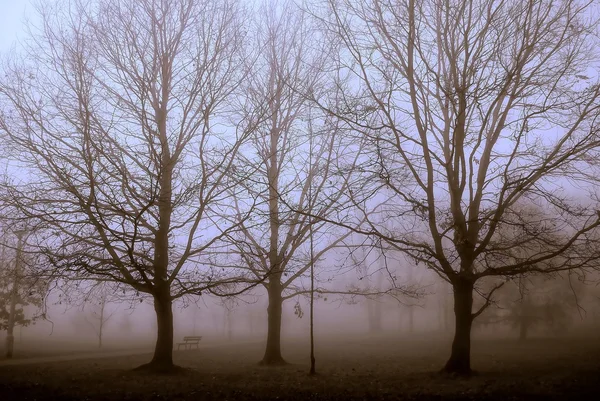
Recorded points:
(189,341)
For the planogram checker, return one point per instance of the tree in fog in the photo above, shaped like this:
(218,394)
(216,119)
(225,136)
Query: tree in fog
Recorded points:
(100,303)
(371,272)
(98,317)
(19,289)
(529,302)
(228,304)
(469,108)
(292,153)
(374,308)
(118,115)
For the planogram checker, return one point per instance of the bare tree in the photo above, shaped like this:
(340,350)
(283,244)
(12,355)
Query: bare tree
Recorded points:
(99,302)
(19,288)
(273,246)
(532,301)
(229,305)
(471,107)
(118,114)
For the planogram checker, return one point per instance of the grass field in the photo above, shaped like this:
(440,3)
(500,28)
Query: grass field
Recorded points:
(376,368)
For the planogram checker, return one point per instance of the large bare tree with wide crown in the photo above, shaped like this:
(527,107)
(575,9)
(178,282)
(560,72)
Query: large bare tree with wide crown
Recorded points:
(472,107)
(119,118)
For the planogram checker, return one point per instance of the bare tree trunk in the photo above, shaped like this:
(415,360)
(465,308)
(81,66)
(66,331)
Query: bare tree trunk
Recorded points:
(273,349)
(460,358)
(101,327)
(441,314)
(10,339)
(377,306)
(447,311)
(250,316)
(229,328)
(162,360)
(374,310)
(524,310)
(524,318)
(400,318)
(374,316)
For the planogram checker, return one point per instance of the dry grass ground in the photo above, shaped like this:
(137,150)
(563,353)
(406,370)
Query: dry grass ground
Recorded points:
(377,368)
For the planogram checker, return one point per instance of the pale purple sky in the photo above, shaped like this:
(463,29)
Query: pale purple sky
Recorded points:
(12,17)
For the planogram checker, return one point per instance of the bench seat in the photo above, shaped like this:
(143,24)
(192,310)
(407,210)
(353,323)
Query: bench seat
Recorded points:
(188,341)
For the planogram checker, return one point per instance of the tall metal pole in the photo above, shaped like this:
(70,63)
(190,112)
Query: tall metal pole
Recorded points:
(312,264)
(10,338)
(411,311)
(312,303)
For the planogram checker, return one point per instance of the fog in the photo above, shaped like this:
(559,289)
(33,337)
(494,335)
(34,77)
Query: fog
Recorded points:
(132,325)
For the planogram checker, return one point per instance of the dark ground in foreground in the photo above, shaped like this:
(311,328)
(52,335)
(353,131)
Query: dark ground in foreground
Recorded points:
(358,369)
